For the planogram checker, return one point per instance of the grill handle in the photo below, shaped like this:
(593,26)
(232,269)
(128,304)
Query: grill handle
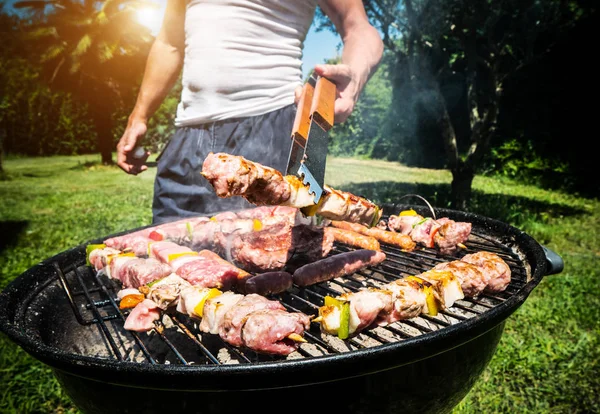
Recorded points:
(555,264)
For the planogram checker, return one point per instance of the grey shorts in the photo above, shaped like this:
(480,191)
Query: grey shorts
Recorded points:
(179,189)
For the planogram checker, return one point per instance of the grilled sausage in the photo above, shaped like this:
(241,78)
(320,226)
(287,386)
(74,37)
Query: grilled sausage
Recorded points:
(336,266)
(396,239)
(354,239)
(268,283)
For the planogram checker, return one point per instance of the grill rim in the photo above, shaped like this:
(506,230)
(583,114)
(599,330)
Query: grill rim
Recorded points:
(348,364)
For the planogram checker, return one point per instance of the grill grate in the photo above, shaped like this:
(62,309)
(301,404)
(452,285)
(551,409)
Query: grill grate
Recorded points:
(177,339)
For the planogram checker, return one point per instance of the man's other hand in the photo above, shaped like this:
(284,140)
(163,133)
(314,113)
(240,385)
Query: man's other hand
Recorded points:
(130,160)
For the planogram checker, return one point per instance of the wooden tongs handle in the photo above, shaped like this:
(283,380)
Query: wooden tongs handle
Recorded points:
(316,102)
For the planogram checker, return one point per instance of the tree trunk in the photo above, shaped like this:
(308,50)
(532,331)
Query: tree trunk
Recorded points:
(2,135)
(103,128)
(462,181)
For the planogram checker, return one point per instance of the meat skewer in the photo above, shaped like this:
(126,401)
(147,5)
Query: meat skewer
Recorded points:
(232,175)
(443,233)
(250,321)
(406,298)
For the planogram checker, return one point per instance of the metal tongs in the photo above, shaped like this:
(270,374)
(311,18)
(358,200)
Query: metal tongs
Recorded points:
(313,121)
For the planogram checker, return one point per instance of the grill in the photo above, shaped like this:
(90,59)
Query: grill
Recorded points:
(66,315)
(94,303)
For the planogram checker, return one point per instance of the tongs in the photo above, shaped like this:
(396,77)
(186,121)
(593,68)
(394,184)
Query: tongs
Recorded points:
(314,119)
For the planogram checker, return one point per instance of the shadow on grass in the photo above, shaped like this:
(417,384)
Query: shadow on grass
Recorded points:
(501,207)
(90,165)
(10,232)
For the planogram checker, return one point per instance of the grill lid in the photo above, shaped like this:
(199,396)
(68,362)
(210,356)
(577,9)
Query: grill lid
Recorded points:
(65,314)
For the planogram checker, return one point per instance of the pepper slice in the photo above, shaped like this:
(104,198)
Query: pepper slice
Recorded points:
(344,307)
(410,212)
(433,305)
(257,225)
(130,301)
(199,308)
(90,248)
(174,256)
(375,217)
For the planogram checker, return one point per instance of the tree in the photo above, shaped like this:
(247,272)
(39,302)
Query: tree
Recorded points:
(93,49)
(452,61)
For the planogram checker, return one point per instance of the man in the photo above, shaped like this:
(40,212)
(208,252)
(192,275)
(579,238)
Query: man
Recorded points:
(241,79)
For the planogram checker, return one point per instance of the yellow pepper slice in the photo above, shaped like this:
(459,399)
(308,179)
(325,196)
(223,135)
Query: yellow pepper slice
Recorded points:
(199,308)
(257,225)
(410,212)
(174,256)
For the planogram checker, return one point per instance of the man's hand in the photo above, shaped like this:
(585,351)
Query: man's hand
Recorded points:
(127,159)
(347,86)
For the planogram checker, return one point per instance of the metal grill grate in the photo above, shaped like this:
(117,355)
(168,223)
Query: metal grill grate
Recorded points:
(177,339)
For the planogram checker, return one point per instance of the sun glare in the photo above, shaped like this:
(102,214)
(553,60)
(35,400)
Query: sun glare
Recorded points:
(149,17)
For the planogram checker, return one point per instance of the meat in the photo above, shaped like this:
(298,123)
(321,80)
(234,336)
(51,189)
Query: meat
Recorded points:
(215,309)
(99,257)
(354,239)
(142,317)
(395,239)
(209,270)
(232,175)
(279,246)
(165,293)
(234,319)
(492,265)
(134,271)
(336,266)
(255,322)
(472,280)
(271,331)
(448,287)
(451,234)
(444,233)
(268,283)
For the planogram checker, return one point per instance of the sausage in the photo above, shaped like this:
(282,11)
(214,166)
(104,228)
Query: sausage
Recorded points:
(354,239)
(396,239)
(268,283)
(337,266)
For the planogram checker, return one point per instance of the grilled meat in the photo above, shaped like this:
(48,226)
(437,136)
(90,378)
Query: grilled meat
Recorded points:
(232,175)
(492,265)
(443,233)
(472,280)
(395,239)
(339,265)
(279,246)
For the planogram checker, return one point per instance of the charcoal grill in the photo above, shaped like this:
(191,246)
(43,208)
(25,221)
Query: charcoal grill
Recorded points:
(67,316)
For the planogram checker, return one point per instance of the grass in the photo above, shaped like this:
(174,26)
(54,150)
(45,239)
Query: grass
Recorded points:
(547,360)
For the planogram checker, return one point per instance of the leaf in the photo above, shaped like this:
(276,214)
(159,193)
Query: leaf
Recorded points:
(83,45)
(53,52)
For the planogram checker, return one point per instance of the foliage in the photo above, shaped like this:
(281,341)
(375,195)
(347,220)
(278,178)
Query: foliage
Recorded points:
(468,76)
(94,50)
(362,130)
(546,360)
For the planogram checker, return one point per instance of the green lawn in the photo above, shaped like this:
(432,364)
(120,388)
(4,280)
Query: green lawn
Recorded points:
(547,360)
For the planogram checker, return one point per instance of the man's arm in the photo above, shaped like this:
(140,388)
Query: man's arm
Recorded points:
(362,52)
(162,71)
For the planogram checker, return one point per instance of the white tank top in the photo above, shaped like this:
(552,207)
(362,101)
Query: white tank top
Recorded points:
(242,57)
